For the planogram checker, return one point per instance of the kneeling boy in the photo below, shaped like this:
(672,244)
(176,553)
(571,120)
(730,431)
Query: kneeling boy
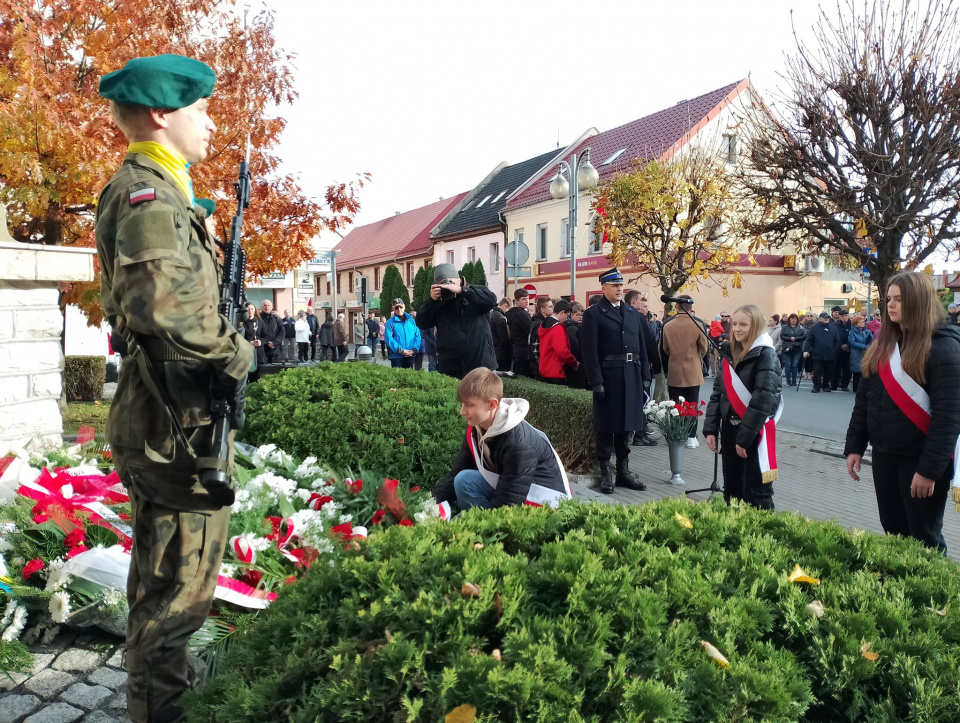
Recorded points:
(503,460)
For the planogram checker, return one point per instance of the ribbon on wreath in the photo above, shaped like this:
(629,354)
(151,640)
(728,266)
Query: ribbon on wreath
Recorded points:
(739,398)
(914,402)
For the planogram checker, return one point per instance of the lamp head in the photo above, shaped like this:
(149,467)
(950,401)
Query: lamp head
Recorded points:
(559,188)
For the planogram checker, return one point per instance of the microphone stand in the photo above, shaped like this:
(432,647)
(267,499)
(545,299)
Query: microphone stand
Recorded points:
(714,487)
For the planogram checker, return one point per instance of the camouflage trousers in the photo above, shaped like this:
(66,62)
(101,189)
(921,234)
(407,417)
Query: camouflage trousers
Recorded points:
(173,572)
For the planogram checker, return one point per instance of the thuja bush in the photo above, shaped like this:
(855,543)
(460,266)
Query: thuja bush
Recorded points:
(84,377)
(565,415)
(399,422)
(601,613)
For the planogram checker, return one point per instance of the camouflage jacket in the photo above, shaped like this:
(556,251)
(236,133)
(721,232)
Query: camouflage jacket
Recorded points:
(160,279)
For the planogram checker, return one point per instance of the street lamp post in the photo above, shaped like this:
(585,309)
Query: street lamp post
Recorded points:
(582,175)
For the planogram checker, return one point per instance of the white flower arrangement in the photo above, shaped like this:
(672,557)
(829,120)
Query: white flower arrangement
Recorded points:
(60,606)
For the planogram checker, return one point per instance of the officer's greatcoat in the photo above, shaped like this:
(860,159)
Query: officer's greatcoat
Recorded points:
(609,334)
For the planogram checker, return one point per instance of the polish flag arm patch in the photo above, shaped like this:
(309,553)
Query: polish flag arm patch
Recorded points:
(144,194)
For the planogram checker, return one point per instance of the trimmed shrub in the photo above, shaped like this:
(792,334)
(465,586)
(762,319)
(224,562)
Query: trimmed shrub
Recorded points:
(392,287)
(421,285)
(84,377)
(402,423)
(600,613)
(565,415)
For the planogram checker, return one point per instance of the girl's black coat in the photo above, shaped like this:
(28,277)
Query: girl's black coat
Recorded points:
(876,419)
(759,370)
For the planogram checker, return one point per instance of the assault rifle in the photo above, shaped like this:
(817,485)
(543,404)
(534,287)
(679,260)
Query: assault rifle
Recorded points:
(214,470)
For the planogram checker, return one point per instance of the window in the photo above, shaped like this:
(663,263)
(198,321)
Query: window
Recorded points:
(409,273)
(467,207)
(499,196)
(614,157)
(339,288)
(350,282)
(472,254)
(376,278)
(729,148)
(565,238)
(451,258)
(486,198)
(494,258)
(328,289)
(596,240)
(541,242)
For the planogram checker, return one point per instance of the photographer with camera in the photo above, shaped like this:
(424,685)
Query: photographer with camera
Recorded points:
(460,312)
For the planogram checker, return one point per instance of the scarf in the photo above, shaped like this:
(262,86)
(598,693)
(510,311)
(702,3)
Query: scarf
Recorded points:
(170,161)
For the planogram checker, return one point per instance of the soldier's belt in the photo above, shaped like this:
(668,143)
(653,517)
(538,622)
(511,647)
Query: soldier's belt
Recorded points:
(158,350)
(616,360)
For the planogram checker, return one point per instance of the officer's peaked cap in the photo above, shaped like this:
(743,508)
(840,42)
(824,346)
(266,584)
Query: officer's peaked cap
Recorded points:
(611,276)
(159,81)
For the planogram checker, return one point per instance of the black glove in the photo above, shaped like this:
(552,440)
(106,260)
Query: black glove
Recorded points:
(235,392)
(598,394)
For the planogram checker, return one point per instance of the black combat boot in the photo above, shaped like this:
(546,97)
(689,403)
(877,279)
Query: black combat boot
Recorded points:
(606,479)
(642,440)
(626,479)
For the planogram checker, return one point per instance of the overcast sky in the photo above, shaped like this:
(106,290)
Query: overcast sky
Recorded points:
(430,96)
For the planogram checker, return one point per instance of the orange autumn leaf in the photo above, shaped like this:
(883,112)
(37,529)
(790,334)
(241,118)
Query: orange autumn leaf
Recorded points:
(867,653)
(798,575)
(470,590)
(461,714)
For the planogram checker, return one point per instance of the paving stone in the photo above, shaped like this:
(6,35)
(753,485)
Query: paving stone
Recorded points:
(116,660)
(56,713)
(78,661)
(101,716)
(14,708)
(48,683)
(42,661)
(113,679)
(15,679)
(85,696)
(118,702)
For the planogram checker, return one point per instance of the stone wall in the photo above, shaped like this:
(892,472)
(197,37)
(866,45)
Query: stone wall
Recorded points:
(31,357)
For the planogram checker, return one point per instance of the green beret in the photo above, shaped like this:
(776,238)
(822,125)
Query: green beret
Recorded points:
(208,205)
(160,81)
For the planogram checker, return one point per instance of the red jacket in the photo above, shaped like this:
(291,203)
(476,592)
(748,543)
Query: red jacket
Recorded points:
(554,349)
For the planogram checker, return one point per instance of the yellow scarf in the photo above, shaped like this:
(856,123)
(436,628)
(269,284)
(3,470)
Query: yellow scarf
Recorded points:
(170,161)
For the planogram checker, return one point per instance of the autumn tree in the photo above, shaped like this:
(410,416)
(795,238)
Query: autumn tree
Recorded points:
(867,153)
(60,147)
(673,219)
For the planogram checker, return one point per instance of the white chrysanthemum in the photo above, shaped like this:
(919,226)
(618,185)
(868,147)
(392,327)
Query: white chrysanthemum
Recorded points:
(31,636)
(303,494)
(278,486)
(308,469)
(57,578)
(17,621)
(59,607)
(18,561)
(320,483)
(5,544)
(228,570)
(51,633)
(3,566)
(8,613)
(261,454)
(345,519)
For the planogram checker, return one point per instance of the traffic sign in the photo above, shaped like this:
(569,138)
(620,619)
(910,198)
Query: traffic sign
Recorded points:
(516,253)
(519,272)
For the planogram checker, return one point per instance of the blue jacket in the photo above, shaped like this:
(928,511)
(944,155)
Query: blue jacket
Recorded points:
(402,335)
(859,340)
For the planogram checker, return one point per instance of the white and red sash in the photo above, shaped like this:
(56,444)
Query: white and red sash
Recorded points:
(914,402)
(739,398)
(537,495)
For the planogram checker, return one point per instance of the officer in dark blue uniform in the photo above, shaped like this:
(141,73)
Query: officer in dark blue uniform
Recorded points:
(615,362)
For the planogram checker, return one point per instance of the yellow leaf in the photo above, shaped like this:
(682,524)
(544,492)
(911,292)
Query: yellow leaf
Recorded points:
(866,652)
(461,714)
(715,654)
(861,227)
(470,590)
(798,575)
(816,609)
(684,521)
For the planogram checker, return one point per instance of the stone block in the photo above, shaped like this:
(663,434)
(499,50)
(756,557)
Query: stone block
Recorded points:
(17,707)
(18,265)
(30,356)
(11,682)
(6,324)
(14,389)
(28,294)
(85,696)
(64,266)
(30,419)
(116,660)
(49,683)
(78,661)
(56,713)
(38,324)
(102,716)
(41,661)
(117,702)
(46,385)
(109,678)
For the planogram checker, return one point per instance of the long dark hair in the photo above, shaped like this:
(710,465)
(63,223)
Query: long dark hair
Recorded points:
(920,314)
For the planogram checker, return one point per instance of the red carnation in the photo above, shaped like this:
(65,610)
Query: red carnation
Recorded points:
(345,530)
(290,580)
(378,516)
(252,578)
(406,523)
(354,486)
(77,537)
(317,501)
(415,489)
(76,550)
(127,544)
(31,567)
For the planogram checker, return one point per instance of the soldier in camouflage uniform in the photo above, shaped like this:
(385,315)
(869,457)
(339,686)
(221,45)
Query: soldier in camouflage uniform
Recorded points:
(160,282)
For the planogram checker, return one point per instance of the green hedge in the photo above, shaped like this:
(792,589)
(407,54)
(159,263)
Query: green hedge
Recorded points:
(597,613)
(84,377)
(351,416)
(565,415)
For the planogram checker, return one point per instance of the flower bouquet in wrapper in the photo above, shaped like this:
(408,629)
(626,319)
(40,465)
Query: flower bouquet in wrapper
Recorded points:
(674,419)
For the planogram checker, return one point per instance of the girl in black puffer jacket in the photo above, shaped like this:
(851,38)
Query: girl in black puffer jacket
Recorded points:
(916,357)
(752,358)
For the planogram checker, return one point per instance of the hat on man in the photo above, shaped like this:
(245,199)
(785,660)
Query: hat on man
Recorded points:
(824,315)
(835,308)
(611,276)
(398,302)
(159,81)
(844,312)
(444,271)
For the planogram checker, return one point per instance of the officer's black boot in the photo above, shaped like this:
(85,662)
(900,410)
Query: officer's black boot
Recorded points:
(626,479)
(606,479)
